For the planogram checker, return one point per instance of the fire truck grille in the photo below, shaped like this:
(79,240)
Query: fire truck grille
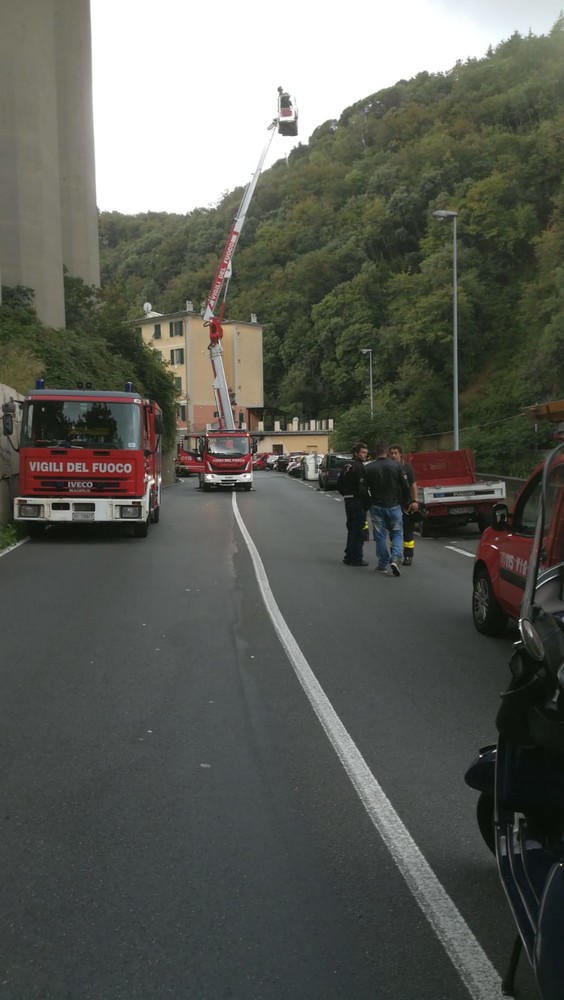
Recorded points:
(115,487)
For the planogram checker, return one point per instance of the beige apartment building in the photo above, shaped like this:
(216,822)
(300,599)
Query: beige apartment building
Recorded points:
(182,341)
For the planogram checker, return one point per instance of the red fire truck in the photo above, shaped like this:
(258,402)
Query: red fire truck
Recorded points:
(221,458)
(225,452)
(87,456)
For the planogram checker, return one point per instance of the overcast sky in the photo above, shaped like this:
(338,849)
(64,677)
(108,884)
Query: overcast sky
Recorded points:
(184,91)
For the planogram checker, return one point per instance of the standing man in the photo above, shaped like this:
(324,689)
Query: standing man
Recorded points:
(389,494)
(351,484)
(396,452)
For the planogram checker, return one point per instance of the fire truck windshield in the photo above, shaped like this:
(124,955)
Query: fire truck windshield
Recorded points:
(228,447)
(80,424)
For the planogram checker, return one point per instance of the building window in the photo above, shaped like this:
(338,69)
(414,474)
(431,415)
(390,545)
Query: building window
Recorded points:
(157,331)
(176,328)
(178,384)
(181,413)
(159,355)
(177,356)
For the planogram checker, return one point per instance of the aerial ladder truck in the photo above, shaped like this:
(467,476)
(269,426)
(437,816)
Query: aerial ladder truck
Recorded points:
(225,455)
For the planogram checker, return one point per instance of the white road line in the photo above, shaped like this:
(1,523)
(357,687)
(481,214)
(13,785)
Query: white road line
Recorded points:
(462,552)
(466,954)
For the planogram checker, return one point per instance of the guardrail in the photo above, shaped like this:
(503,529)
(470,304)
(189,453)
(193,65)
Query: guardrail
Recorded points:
(512,485)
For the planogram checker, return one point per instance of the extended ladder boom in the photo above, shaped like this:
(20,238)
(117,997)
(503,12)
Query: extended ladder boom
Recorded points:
(224,269)
(286,108)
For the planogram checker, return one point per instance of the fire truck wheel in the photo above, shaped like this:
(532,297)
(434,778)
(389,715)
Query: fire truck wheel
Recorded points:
(155,516)
(487,615)
(247,487)
(36,530)
(483,522)
(141,530)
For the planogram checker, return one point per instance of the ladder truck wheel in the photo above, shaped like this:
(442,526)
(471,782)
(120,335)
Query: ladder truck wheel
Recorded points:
(35,530)
(141,530)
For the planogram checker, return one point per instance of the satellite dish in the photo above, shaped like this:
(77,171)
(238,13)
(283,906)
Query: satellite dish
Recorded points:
(147,308)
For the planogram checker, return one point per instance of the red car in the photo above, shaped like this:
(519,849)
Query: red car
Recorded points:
(502,555)
(259,460)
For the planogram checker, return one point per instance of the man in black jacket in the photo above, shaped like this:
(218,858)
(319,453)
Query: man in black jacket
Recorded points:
(352,486)
(389,494)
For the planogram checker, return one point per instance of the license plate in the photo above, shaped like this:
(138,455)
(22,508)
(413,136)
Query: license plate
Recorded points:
(83,515)
(461,510)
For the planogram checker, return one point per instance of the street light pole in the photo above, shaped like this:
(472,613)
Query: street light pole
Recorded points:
(368,350)
(445,214)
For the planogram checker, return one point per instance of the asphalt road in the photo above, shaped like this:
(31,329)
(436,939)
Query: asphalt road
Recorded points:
(217,786)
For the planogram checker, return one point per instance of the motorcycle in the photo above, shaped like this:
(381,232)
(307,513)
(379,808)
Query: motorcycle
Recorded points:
(520,809)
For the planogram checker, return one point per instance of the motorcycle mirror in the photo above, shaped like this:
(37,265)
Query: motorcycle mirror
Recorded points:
(531,639)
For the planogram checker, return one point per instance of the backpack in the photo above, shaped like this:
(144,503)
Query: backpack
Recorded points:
(347,481)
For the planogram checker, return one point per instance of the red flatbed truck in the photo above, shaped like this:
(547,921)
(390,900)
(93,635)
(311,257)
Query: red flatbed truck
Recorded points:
(448,493)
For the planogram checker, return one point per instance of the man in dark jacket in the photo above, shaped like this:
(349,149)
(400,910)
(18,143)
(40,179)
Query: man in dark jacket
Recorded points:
(352,486)
(389,494)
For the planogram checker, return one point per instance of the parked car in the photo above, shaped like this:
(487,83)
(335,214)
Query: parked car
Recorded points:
(271,461)
(329,469)
(283,460)
(310,466)
(260,459)
(502,557)
(295,466)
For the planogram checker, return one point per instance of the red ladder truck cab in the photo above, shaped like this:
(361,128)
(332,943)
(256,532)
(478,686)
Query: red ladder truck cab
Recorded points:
(88,456)
(220,458)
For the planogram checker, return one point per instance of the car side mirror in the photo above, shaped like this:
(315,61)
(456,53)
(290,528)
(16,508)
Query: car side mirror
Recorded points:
(8,410)
(500,516)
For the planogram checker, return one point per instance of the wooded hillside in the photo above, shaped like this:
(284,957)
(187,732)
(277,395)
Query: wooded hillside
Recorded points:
(341,251)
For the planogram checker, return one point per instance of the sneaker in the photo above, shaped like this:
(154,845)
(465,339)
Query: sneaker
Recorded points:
(395,568)
(382,569)
(361,563)
(407,560)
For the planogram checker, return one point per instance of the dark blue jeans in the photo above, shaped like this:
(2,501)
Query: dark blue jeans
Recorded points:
(387,523)
(356,517)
